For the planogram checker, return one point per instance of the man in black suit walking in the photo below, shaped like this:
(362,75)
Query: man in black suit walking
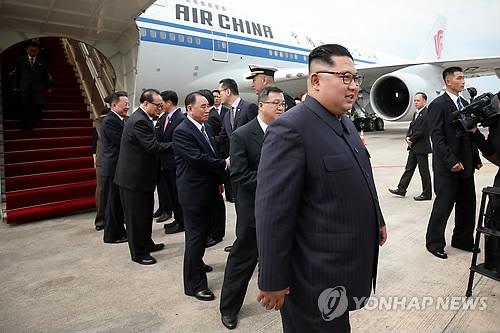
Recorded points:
(136,176)
(419,147)
(199,182)
(453,162)
(32,81)
(111,136)
(246,145)
(164,133)
(318,219)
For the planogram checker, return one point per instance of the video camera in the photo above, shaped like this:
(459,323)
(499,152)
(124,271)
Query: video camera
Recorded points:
(482,110)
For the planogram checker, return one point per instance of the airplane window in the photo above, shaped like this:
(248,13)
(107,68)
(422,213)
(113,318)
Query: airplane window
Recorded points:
(195,2)
(295,56)
(189,39)
(276,53)
(203,3)
(305,58)
(197,40)
(143,32)
(172,36)
(270,52)
(224,45)
(210,5)
(223,8)
(152,33)
(163,35)
(181,38)
(217,7)
(286,54)
(281,54)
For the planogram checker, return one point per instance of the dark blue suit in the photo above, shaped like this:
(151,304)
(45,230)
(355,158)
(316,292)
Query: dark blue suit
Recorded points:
(111,135)
(451,188)
(199,174)
(317,213)
(167,160)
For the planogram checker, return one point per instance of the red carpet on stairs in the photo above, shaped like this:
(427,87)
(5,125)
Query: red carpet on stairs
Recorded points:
(49,171)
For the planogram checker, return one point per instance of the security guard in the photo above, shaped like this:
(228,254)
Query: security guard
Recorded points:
(263,76)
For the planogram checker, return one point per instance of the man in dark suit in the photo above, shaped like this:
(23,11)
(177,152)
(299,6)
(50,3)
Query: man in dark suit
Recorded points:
(318,219)
(263,76)
(453,162)
(246,145)
(164,211)
(419,147)
(218,221)
(32,81)
(136,176)
(111,135)
(164,133)
(199,182)
(240,113)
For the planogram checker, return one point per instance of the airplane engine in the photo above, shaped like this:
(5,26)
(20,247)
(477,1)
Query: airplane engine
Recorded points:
(391,95)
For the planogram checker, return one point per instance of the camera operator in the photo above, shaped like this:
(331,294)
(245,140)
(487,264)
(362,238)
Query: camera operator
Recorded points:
(453,162)
(490,148)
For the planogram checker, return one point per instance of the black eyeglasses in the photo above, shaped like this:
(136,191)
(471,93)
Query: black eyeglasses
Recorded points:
(277,103)
(346,77)
(159,105)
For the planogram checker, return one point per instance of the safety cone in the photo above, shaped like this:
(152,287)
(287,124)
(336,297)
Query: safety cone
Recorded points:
(362,136)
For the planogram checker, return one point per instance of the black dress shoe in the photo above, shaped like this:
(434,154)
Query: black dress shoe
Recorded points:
(468,249)
(170,225)
(163,217)
(440,253)
(211,242)
(208,268)
(118,241)
(173,230)
(229,321)
(158,213)
(147,260)
(205,295)
(398,191)
(157,247)
(228,248)
(421,198)
(99,227)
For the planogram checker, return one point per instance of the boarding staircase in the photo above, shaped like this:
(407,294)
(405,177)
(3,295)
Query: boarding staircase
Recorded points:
(49,171)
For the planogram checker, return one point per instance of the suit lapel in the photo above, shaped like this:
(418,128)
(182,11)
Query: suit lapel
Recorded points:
(257,132)
(238,112)
(324,115)
(200,137)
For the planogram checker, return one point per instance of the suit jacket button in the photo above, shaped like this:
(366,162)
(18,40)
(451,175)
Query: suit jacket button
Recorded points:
(356,150)
(367,174)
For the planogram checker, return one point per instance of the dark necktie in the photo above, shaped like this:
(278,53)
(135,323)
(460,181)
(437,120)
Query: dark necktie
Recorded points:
(206,137)
(32,61)
(166,123)
(459,104)
(231,118)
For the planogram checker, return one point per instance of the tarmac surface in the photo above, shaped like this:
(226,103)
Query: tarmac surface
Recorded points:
(57,275)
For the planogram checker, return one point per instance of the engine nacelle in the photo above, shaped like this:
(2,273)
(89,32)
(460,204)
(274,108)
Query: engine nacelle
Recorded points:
(391,95)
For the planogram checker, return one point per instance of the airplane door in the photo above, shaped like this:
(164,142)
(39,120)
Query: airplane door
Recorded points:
(220,46)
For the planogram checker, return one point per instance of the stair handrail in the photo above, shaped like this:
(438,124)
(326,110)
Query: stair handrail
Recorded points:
(95,71)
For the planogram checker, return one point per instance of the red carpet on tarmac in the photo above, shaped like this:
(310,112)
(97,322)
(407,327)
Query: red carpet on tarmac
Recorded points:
(49,171)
